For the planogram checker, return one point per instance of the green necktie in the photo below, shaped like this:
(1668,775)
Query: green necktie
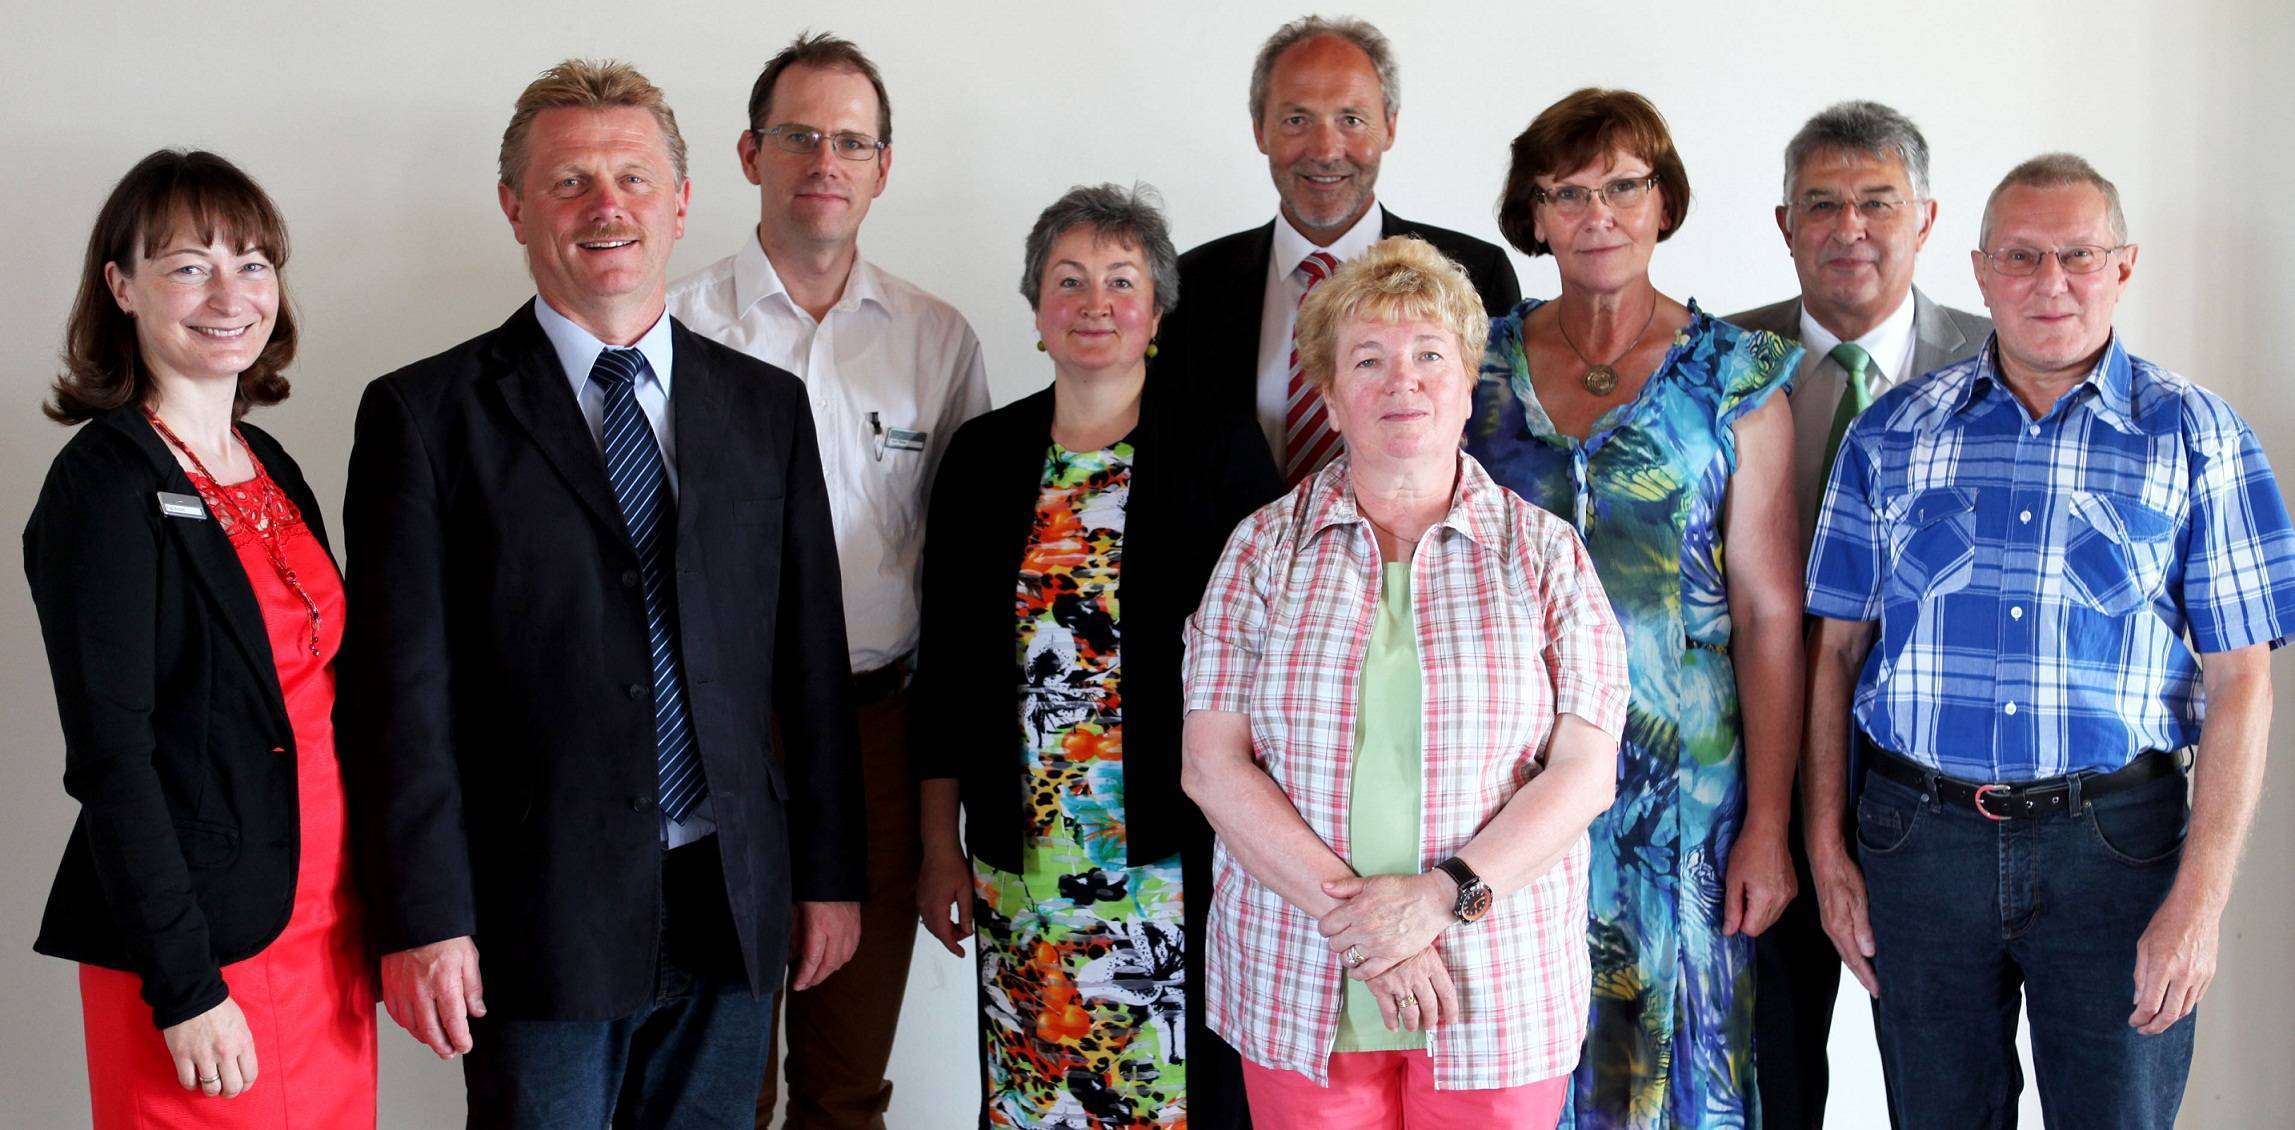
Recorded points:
(1855,362)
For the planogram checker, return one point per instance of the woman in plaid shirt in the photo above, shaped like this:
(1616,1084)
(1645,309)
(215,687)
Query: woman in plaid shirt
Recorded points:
(1405,689)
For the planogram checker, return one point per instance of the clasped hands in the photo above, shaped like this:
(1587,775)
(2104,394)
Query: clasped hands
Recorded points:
(1383,930)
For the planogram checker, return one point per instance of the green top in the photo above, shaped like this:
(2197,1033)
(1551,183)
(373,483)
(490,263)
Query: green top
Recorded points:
(1383,799)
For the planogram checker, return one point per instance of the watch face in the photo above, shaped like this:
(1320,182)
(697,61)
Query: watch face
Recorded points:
(1473,902)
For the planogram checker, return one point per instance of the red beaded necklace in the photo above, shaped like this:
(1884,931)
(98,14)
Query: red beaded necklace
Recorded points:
(259,523)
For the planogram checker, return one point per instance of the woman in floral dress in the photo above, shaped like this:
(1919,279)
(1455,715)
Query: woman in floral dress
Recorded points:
(1070,534)
(1657,430)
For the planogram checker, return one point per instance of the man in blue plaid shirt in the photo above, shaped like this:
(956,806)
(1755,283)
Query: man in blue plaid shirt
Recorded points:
(2045,575)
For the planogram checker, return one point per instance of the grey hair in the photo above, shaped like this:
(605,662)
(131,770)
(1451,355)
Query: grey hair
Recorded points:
(2058,170)
(1859,127)
(1361,33)
(1134,217)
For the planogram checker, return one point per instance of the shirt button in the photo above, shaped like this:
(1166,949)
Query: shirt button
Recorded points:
(2012,709)
(2016,612)
(2025,517)
(637,691)
(629,578)
(2033,430)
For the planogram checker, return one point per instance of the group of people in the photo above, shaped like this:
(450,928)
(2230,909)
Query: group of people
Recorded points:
(1328,703)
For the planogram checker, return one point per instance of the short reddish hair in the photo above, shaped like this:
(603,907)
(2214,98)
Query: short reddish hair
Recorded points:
(1576,132)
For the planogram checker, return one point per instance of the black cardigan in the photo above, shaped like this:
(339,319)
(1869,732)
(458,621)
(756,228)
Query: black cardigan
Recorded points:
(1194,476)
(176,738)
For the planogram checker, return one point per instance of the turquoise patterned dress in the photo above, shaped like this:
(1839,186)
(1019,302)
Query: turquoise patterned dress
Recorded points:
(1670,1043)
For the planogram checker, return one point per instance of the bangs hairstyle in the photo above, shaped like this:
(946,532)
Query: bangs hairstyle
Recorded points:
(172,193)
(1576,132)
(1400,279)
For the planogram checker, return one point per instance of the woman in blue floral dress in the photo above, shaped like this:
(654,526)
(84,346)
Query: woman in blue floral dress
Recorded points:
(1657,430)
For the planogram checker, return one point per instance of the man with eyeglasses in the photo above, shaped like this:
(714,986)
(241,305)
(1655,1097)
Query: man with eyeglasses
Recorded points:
(1324,104)
(2073,564)
(891,371)
(1857,211)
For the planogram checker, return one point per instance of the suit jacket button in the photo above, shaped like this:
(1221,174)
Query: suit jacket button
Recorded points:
(641,804)
(629,578)
(637,691)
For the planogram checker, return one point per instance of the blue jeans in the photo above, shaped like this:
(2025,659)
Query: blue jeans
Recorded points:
(691,1059)
(1968,913)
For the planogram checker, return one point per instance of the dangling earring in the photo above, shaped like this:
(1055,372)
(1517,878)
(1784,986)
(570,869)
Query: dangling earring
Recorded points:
(1151,349)
(1039,345)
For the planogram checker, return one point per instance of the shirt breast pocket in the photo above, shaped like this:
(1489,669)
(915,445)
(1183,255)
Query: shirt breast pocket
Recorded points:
(2115,553)
(1936,548)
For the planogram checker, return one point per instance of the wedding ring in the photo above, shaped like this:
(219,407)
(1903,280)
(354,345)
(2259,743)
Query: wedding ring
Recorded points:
(210,1080)
(1354,956)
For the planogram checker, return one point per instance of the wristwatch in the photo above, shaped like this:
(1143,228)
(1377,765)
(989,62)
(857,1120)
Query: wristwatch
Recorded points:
(1473,894)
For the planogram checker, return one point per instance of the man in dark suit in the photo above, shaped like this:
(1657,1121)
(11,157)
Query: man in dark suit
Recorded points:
(591,561)
(1324,104)
(1857,210)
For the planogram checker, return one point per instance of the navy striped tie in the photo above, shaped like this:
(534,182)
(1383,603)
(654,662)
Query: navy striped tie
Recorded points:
(633,462)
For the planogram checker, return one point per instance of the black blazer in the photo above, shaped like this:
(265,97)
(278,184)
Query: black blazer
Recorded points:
(495,718)
(1193,479)
(1210,341)
(176,738)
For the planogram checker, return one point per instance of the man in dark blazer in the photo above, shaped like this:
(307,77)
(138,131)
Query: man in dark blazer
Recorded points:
(590,566)
(1324,105)
(1856,212)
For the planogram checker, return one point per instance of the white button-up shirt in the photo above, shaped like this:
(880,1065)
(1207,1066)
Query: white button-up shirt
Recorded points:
(891,372)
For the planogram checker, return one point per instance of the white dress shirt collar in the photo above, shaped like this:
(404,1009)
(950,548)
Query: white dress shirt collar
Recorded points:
(1889,344)
(1291,247)
(578,348)
(755,280)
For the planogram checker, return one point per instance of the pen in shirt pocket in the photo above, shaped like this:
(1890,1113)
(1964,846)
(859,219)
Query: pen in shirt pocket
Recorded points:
(877,435)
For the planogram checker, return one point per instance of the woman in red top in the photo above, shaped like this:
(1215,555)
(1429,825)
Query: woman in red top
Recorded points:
(192,612)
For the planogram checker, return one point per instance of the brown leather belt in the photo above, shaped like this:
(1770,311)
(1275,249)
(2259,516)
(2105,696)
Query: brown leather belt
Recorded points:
(2023,799)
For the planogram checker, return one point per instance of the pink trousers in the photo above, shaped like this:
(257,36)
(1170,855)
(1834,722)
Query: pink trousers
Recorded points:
(1390,1091)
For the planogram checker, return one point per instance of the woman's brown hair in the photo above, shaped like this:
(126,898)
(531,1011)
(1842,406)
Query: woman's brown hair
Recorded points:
(1576,132)
(172,192)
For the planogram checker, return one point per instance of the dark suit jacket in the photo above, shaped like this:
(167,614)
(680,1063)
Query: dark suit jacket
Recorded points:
(1209,344)
(176,738)
(496,716)
(1192,481)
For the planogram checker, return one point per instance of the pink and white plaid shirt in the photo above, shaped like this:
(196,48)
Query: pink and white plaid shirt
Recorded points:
(1513,628)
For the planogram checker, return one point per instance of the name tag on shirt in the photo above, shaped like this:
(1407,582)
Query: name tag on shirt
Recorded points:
(176,505)
(900,439)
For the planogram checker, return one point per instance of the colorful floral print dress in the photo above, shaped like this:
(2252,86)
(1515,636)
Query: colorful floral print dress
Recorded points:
(1082,985)
(1670,1042)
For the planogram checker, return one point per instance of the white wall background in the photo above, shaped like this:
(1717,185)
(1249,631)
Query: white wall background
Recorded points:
(375,127)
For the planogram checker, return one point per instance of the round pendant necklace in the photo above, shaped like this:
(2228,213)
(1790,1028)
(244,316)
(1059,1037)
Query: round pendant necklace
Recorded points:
(1602,379)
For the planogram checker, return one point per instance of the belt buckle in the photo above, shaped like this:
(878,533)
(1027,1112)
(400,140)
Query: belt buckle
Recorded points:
(1983,791)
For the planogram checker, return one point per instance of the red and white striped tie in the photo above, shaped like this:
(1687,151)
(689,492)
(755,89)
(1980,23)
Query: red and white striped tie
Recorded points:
(1308,441)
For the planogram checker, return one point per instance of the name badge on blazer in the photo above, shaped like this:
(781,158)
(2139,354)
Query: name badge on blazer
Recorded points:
(176,505)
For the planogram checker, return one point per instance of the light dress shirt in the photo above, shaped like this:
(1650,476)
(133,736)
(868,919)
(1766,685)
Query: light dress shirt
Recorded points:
(578,351)
(2044,586)
(1512,629)
(891,372)
(1280,312)
(1817,395)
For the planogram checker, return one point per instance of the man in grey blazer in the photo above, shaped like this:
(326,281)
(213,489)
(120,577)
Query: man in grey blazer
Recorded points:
(1856,212)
